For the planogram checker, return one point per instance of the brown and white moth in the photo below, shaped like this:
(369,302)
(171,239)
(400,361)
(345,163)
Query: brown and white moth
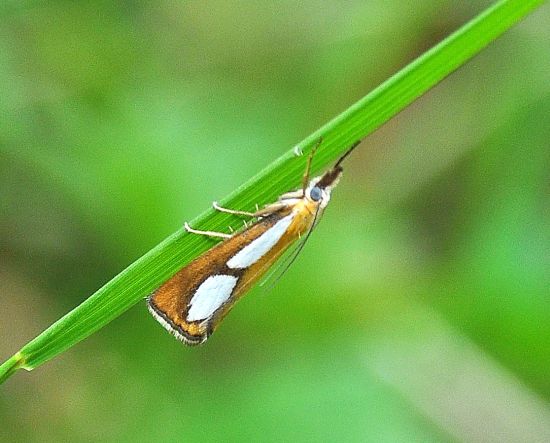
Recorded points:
(192,303)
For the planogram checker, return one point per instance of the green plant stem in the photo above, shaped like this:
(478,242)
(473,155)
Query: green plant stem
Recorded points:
(362,118)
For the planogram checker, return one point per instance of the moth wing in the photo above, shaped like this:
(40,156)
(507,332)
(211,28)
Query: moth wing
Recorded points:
(171,304)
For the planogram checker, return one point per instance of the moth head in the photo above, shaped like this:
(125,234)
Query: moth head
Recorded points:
(320,188)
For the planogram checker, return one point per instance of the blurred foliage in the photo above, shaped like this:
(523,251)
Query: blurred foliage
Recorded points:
(419,310)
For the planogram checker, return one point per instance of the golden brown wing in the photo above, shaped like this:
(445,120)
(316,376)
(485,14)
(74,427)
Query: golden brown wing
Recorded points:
(170,303)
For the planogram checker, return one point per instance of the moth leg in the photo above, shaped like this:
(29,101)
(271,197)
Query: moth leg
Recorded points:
(292,194)
(232,211)
(269,209)
(207,233)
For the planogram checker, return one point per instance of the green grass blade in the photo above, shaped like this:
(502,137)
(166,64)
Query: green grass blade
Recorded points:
(362,118)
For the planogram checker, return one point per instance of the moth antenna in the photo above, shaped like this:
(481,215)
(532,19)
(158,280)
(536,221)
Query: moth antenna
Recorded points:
(348,152)
(305,180)
(293,255)
(278,266)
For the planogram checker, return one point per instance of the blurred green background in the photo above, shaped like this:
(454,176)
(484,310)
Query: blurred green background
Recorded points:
(419,310)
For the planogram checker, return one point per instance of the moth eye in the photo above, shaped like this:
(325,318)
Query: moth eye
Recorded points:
(315,194)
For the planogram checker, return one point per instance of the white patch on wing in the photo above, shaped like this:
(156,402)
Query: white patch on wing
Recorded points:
(251,253)
(210,295)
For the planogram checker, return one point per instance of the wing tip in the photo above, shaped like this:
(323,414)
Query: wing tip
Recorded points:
(171,327)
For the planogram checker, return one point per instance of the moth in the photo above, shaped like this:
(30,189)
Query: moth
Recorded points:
(193,302)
